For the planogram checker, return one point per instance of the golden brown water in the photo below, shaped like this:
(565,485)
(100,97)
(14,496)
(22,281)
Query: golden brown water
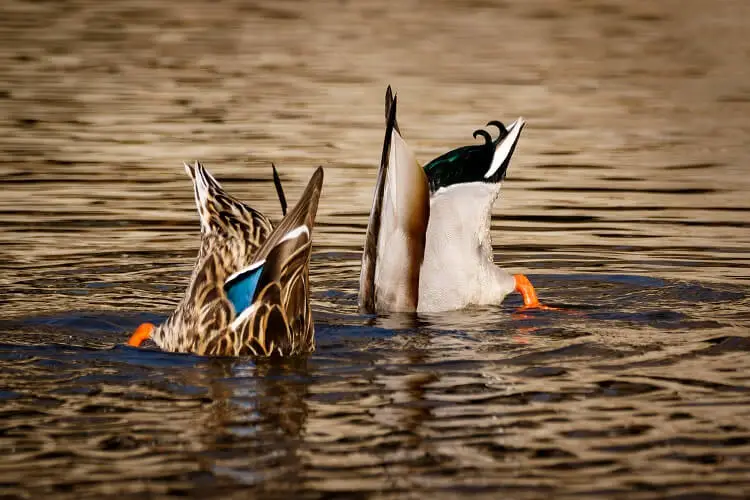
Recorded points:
(627,202)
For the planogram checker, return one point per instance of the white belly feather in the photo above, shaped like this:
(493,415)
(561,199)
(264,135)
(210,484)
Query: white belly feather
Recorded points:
(458,268)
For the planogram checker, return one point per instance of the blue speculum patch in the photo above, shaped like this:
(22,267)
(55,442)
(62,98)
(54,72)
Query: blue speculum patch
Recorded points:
(241,289)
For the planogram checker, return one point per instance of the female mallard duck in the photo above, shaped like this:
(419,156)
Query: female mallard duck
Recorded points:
(249,292)
(428,245)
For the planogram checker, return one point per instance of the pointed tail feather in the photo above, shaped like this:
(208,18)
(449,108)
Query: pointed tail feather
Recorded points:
(279,190)
(206,189)
(303,214)
(389,102)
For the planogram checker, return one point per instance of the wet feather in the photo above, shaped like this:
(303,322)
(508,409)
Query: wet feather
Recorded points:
(275,317)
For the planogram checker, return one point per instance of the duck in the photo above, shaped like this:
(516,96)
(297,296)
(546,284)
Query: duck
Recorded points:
(249,291)
(427,244)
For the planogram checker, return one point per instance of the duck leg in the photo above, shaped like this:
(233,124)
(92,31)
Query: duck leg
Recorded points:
(526,289)
(141,334)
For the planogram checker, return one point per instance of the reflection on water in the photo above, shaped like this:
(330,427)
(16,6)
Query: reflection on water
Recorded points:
(626,204)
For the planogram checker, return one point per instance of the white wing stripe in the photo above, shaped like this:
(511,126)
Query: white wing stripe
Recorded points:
(295,233)
(243,316)
(254,265)
(503,149)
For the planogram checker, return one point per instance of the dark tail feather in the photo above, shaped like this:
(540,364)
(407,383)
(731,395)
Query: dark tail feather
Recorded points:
(389,100)
(303,213)
(279,190)
(370,251)
(500,127)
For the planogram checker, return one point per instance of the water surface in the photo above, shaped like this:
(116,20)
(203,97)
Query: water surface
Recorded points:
(626,204)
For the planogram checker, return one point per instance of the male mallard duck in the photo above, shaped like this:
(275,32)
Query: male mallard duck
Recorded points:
(428,245)
(249,292)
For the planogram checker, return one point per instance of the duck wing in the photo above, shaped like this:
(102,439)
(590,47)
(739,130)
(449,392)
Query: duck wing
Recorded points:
(395,238)
(231,233)
(271,297)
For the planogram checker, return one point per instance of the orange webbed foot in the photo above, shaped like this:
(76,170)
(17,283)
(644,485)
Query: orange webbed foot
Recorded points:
(141,334)
(530,300)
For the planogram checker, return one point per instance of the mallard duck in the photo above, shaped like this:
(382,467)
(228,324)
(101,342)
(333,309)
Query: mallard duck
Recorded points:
(427,246)
(249,292)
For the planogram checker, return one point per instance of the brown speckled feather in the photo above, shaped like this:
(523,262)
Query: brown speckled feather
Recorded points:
(234,236)
(281,320)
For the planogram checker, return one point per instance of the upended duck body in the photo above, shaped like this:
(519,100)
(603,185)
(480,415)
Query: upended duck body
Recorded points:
(249,293)
(428,245)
